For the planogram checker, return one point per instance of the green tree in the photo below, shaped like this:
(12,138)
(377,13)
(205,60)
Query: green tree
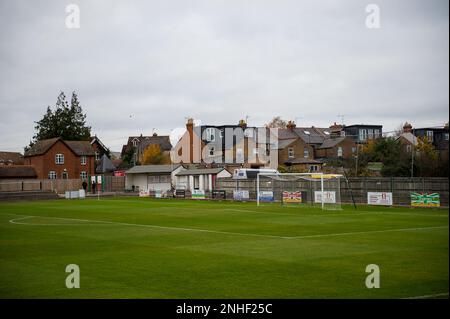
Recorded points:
(390,152)
(426,159)
(65,121)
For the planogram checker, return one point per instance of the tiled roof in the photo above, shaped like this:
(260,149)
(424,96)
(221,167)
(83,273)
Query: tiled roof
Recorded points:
(409,137)
(41,147)
(284,143)
(285,133)
(162,141)
(11,157)
(310,135)
(78,147)
(331,142)
(17,171)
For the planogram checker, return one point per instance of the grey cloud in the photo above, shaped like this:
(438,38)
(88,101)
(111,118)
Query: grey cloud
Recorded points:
(219,61)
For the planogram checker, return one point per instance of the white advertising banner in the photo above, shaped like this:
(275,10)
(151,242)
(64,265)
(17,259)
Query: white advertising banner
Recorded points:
(144,193)
(329,197)
(379,198)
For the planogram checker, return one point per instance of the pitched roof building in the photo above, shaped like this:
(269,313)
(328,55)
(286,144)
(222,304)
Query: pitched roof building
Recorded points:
(17,172)
(11,158)
(55,158)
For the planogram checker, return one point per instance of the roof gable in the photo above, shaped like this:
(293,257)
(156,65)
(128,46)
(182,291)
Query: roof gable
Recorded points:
(79,148)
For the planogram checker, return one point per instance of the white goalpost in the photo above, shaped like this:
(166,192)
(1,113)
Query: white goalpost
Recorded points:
(315,189)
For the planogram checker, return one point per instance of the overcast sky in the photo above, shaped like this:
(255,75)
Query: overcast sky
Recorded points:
(140,66)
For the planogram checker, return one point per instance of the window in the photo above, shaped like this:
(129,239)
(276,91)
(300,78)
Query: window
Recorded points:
(363,134)
(370,133)
(83,175)
(135,142)
(290,152)
(408,148)
(430,136)
(446,136)
(97,155)
(52,175)
(59,159)
(305,153)
(313,168)
(210,134)
(164,179)
(83,160)
(64,175)
(211,151)
(376,133)
(339,151)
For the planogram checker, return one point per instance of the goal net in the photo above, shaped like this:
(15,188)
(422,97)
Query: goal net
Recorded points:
(313,189)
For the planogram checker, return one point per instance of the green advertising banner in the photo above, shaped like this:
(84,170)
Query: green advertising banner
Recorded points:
(425,199)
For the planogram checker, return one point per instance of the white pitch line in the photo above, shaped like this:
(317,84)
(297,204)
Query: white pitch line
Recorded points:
(16,221)
(428,296)
(366,232)
(13,221)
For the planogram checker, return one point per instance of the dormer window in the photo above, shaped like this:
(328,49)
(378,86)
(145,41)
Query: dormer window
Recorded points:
(83,160)
(135,142)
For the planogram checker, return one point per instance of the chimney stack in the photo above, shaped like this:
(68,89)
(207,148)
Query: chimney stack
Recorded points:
(407,128)
(242,124)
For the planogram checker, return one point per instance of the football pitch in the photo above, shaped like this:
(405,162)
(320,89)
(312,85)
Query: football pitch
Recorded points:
(168,248)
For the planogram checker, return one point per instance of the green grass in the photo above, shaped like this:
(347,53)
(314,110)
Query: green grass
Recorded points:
(144,248)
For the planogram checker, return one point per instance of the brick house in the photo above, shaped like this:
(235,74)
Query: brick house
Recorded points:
(407,138)
(296,147)
(338,147)
(58,159)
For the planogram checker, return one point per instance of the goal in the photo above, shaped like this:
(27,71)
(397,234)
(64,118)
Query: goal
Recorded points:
(314,189)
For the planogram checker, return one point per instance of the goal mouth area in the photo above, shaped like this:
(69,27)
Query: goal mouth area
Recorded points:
(300,189)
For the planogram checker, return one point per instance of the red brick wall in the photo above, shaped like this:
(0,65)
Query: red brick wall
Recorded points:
(72,163)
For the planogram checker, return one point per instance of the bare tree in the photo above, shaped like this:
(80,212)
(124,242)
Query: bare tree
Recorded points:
(277,122)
